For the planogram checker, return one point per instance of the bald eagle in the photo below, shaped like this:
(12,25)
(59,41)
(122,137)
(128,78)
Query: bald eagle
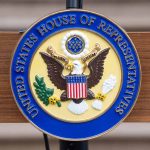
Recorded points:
(55,69)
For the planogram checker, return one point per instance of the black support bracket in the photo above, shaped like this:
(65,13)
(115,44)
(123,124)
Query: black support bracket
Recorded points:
(74,4)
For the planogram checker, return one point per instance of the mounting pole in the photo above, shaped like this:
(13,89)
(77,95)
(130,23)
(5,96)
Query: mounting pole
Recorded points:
(73,145)
(74,4)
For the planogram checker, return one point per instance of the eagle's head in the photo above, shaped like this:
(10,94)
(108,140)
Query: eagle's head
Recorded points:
(77,67)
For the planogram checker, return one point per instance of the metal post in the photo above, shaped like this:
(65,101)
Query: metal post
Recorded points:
(73,145)
(47,147)
(74,4)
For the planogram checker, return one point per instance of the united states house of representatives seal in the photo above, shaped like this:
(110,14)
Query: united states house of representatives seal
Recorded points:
(75,74)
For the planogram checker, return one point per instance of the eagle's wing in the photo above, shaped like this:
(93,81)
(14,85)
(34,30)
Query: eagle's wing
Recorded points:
(54,69)
(96,68)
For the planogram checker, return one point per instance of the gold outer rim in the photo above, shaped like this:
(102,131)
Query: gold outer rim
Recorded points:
(113,127)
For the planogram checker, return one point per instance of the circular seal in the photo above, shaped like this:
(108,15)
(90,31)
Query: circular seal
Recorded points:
(75,74)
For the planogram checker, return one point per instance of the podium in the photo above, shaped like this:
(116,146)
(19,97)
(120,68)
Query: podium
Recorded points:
(9,113)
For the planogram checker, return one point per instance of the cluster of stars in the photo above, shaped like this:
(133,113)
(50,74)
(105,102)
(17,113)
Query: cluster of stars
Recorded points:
(75,44)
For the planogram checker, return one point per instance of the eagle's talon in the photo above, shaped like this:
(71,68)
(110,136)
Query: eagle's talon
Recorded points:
(100,96)
(69,66)
(53,100)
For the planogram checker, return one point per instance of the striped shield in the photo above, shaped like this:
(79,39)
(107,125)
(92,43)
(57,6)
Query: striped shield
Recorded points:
(76,86)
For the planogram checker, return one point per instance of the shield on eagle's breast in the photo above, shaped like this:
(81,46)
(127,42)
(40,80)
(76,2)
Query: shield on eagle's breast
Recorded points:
(76,86)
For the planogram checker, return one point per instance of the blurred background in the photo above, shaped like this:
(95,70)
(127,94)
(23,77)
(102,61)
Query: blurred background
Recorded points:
(133,15)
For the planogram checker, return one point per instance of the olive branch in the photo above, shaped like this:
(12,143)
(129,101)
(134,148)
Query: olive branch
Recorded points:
(42,91)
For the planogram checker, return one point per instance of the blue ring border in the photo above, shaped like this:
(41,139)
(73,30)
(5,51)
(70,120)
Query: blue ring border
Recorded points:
(66,130)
